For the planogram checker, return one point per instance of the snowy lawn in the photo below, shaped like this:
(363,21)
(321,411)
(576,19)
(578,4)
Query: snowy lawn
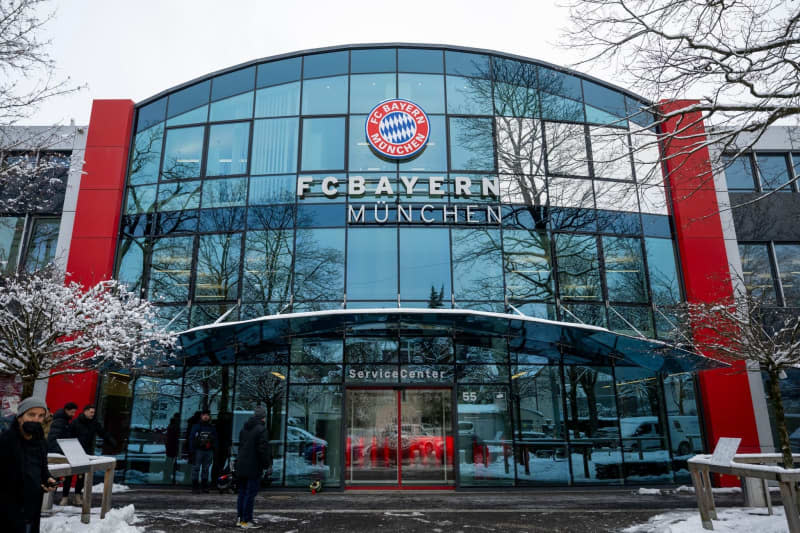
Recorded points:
(68,520)
(115,488)
(731,520)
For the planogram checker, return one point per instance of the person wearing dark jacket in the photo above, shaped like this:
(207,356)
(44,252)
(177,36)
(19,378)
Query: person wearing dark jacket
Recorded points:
(172,438)
(254,456)
(23,469)
(86,429)
(59,429)
(202,443)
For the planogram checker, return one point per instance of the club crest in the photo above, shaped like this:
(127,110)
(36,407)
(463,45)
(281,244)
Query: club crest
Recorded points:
(397,129)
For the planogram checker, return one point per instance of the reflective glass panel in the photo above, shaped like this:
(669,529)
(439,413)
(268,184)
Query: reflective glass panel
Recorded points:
(182,153)
(566,149)
(434,157)
(375,60)
(372,263)
(466,64)
(595,451)
(130,262)
(739,173)
(425,90)
(642,425)
(227,149)
(757,271)
(633,321)
(471,144)
(146,156)
(232,83)
(179,196)
(371,350)
(171,269)
(664,284)
(683,421)
(528,265)
(604,98)
(477,265)
(224,192)
(484,435)
(218,267)
(319,268)
(372,444)
(327,64)
(788,256)
(278,101)
(275,146)
(368,90)
(278,72)
(540,432)
(624,268)
(188,98)
(41,249)
(610,154)
(233,108)
(425,265)
(266,190)
(313,435)
(415,60)
(151,114)
(325,96)
(268,266)
(773,171)
(469,96)
(362,157)
(141,199)
(578,267)
(323,144)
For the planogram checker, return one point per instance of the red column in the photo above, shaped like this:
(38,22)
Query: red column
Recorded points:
(725,393)
(96,227)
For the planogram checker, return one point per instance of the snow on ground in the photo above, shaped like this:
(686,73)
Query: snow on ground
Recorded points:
(643,491)
(68,520)
(731,520)
(116,487)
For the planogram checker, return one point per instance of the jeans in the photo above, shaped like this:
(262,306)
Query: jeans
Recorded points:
(248,488)
(202,458)
(78,484)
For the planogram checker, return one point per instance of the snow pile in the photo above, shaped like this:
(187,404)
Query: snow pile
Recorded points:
(69,521)
(731,520)
(116,487)
(715,490)
(649,492)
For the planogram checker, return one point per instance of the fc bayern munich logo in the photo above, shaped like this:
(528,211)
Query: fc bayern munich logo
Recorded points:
(397,129)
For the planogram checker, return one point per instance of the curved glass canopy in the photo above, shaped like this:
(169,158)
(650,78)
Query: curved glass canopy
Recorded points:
(260,338)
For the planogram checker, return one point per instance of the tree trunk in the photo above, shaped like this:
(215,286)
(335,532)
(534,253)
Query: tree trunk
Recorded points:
(780,420)
(27,386)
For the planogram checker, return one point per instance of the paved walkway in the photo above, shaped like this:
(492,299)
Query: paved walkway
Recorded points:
(553,510)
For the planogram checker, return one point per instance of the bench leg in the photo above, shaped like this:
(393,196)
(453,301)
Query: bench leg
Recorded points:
(767,498)
(86,511)
(699,492)
(790,507)
(108,483)
(709,494)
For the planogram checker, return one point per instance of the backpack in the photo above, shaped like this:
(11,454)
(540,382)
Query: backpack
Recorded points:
(203,440)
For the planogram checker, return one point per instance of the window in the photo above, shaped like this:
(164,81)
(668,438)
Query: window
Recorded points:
(266,190)
(275,146)
(378,60)
(566,149)
(10,238)
(268,266)
(624,268)
(41,249)
(227,149)
(477,265)
(362,157)
(224,192)
(146,156)
(278,101)
(218,267)
(171,269)
(177,196)
(469,96)
(773,172)
(528,266)
(319,269)
(323,144)
(233,108)
(664,284)
(425,90)
(325,96)
(328,64)
(578,267)
(788,256)
(739,173)
(367,90)
(434,157)
(471,144)
(425,265)
(610,154)
(372,264)
(414,60)
(278,72)
(757,271)
(182,153)
(188,99)
(466,64)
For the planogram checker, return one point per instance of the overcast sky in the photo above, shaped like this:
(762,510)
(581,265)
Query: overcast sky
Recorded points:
(134,49)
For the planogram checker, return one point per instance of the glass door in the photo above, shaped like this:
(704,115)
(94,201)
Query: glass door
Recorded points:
(427,437)
(371,443)
(399,437)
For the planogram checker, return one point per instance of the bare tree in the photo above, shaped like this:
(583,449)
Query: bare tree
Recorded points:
(47,327)
(746,328)
(736,59)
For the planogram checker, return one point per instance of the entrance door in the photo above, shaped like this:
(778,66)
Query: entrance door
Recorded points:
(399,437)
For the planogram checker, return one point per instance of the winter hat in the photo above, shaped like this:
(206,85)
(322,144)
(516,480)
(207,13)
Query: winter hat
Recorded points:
(30,403)
(259,412)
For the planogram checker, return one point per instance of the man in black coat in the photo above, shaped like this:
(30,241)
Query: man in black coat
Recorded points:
(86,429)
(23,469)
(60,429)
(202,443)
(254,456)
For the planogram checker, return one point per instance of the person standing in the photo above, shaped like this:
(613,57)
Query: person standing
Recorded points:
(173,436)
(60,429)
(23,469)
(86,429)
(254,456)
(202,443)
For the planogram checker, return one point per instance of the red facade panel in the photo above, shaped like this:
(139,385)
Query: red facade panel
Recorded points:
(96,227)
(726,398)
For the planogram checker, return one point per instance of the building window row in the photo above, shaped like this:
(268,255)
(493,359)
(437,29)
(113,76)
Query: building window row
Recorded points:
(771,272)
(763,172)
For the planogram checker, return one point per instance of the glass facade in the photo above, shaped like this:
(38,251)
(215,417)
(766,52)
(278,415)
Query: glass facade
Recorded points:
(256,193)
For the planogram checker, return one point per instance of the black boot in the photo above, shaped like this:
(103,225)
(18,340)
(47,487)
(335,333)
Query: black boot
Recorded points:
(196,487)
